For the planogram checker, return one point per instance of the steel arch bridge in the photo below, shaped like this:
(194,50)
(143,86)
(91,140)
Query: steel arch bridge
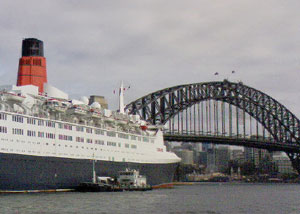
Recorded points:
(170,104)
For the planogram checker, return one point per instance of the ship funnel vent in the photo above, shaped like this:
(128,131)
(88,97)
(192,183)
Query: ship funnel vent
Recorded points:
(32,47)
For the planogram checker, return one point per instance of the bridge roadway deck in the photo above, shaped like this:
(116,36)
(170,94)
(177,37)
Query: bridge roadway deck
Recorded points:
(233,140)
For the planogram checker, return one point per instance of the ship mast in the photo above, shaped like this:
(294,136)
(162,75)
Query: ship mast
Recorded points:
(121,98)
(94,170)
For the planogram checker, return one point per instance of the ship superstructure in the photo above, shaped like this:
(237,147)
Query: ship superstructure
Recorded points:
(48,141)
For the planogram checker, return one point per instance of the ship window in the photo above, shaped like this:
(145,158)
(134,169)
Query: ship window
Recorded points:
(133,137)
(31,121)
(40,134)
(40,122)
(18,119)
(126,145)
(79,128)
(109,143)
(3,129)
(65,137)
(126,174)
(133,146)
(80,139)
(111,134)
(50,124)
(121,135)
(3,116)
(99,132)
(89,130)
(145,139)
(89,140)
(17,131)
(99,142)
(67,126)
(50,135)
(30,133)
(139,138)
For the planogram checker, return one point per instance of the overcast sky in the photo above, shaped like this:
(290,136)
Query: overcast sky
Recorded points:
(91,46)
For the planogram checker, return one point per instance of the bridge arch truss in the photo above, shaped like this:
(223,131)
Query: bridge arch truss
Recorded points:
(161,106)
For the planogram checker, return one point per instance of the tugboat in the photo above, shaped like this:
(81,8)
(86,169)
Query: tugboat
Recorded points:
(131,180)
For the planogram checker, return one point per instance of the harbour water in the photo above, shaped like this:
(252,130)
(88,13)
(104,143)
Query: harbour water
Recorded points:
(204,198)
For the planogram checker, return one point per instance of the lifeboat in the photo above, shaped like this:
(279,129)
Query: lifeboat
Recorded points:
(18,98)
(56,105)
(121,122)
(77,110)
(109,119)
(94,113)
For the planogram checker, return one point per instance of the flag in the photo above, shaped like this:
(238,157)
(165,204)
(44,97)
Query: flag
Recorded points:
(216,73)
(125,89)
(114,91)
(232,72)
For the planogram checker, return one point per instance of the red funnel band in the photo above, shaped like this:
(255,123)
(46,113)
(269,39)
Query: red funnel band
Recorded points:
(32,71)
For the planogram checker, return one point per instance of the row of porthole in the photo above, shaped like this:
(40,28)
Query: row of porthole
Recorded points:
(67,146)
(132,145)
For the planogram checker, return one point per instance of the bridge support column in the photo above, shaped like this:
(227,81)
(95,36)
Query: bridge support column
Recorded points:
(295,159)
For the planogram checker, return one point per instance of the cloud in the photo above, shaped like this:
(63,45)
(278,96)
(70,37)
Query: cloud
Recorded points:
(91,46)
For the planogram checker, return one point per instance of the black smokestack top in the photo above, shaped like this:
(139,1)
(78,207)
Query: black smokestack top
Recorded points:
(32,47)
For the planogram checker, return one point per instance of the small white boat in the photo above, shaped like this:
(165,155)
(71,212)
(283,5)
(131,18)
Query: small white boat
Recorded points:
(132,178)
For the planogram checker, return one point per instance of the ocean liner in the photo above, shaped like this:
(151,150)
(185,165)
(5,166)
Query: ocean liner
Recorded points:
(48,141)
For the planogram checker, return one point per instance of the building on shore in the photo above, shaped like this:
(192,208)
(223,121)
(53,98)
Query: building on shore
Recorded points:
(222,158)
(283,164)
(255,155)
(99,99)
(187,156)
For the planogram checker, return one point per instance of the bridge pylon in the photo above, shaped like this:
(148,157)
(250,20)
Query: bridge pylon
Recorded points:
(295,159)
